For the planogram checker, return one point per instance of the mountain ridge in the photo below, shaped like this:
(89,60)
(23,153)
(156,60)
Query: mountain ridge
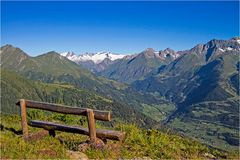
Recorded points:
(204,85)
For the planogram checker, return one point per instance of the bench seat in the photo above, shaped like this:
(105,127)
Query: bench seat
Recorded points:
(100,133)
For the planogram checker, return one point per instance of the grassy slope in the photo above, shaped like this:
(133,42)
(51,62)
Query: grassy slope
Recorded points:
(139,143)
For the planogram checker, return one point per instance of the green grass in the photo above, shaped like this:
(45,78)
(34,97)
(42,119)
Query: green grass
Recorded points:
(13,147)
(157,112)
(139,143)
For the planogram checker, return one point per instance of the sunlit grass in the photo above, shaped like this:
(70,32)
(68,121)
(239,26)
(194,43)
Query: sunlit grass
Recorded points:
(139,143)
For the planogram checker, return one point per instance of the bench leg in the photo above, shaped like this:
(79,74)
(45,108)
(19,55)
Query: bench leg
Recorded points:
(24,119)
(91,126)
(52,133)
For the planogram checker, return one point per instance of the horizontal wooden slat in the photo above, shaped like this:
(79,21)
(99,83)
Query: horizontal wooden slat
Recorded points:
(100,115)
(107,134)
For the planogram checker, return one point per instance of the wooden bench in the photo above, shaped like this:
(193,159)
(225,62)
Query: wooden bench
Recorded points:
(52,127)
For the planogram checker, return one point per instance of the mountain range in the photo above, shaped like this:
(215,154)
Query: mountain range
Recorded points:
(204,85)
(194,92)
(95,62)
(123,68)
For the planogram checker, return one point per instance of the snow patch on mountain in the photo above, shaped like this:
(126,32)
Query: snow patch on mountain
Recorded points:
(64,54)
(229,48)
(222,50)
(168,52)
(238,41)
(95,57)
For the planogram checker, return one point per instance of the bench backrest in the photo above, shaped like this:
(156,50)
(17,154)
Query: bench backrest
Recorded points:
(89,113)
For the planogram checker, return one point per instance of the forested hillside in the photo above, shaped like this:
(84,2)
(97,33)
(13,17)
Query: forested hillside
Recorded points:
(14,87)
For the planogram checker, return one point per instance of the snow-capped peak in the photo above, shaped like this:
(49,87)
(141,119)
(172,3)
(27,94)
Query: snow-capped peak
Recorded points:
(238,41)
(68,54)
(95,57)
(64,54)
(168,52)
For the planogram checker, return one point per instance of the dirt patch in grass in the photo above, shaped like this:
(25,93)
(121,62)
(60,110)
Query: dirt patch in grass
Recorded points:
(48,152)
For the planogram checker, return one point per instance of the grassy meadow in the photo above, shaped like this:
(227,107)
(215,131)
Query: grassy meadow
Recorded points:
(139,143)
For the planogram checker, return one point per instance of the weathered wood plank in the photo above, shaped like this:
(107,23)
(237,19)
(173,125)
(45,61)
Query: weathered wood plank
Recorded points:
(100,115)
(100,133)
(91,125)
(24,118)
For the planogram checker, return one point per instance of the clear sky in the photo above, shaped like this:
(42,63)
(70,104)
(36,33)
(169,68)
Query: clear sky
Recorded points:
(119,27)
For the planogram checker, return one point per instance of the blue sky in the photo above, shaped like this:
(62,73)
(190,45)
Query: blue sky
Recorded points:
(119,27)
